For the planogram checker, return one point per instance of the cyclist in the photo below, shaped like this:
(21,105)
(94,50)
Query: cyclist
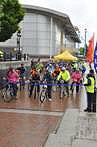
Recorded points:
(76,79)
(13,78)
(65,76)
(50,68)
(39,66)
(35,78)
(48,78)
(22,73)
(56,71)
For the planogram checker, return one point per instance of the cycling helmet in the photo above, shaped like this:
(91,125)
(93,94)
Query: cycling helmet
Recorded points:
(50,64)
(63,68)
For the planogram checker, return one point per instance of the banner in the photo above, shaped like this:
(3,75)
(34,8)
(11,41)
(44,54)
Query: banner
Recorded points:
(95,58)
(90,50)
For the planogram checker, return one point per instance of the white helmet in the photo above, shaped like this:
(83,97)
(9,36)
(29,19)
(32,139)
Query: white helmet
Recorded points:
(63,68)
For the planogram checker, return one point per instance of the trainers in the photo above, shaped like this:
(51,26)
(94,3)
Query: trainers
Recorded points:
(85,110)
(50,99)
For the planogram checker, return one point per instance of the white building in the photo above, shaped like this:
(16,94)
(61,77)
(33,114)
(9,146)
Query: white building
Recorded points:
(44,32)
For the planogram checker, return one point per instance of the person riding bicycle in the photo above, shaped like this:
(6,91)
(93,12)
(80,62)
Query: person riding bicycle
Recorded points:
(22,70)
(76,79)
(50,68)
(22,73)
(65,76)
(13,78)
(35,78)
(56,71)
(49,80)
(39,66)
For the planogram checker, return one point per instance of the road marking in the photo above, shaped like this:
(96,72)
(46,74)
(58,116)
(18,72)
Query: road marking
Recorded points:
(32,112)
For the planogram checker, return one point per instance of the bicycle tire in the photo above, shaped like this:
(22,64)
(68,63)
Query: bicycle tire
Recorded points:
(42,96)
(7,96)
(61,92)
(3,93)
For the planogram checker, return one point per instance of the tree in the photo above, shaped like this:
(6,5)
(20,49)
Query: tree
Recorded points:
(11,13)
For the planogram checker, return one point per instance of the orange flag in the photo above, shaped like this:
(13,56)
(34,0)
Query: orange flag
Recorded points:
(90,50)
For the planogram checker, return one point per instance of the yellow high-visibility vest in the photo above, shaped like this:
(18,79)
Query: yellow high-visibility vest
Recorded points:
(65,75)
(90,88)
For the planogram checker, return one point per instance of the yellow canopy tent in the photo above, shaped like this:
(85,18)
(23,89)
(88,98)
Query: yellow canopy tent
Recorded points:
(65,56)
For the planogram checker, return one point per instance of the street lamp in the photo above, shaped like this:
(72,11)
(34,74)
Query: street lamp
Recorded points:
(85,45)
(18,44)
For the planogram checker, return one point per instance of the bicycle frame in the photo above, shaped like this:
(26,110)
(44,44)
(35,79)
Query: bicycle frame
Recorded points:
(22,82)
(43,94)
(62,89)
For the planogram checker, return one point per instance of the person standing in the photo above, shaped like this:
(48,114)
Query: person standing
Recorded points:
(90,86)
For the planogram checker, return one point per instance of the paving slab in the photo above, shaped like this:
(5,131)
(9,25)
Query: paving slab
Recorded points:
(68,123)
(87,127)
(58,141)
(84,143)
(66,131)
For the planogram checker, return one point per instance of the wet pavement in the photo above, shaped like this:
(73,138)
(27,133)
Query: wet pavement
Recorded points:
(26,122)
(57,104)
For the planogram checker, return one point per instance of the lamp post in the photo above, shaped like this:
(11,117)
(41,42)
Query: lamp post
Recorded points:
(85,45)
(18,44)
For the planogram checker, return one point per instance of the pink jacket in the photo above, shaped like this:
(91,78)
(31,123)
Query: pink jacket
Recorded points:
(13,77)
(76,77)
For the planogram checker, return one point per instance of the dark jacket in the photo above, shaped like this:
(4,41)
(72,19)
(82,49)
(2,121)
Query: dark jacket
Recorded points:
(47,77)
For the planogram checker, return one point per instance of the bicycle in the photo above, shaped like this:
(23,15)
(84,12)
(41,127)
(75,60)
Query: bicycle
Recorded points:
(4,90)
(75,86)
(22,82)
(7,93)
(43,94)
(62,89)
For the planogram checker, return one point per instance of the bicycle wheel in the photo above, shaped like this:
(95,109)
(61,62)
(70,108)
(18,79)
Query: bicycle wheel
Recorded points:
(3,93)
(42,96)
(22,83)
(7,95)
(61,92)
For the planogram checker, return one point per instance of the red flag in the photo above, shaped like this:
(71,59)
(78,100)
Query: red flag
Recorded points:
(90,50)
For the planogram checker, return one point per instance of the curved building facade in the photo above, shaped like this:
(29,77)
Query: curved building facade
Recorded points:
(44,32)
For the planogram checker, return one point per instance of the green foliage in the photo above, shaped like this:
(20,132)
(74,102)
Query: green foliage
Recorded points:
(12,14)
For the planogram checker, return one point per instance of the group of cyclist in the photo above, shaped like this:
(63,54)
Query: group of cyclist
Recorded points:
(51,73)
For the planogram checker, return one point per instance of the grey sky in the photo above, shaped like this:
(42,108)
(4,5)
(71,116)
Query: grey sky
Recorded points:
(83,13)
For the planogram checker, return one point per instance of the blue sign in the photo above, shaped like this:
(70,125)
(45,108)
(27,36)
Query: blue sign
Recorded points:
(95,58)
